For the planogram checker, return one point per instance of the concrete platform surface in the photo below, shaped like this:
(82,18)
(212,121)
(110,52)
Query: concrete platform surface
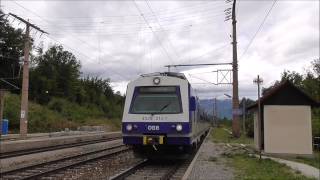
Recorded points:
(40,142)
(33,159)
(13,137)
(209,165)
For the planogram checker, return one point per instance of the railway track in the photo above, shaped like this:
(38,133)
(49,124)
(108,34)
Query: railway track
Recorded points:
(49,169)
(174,169)
(38,150)
(148,169)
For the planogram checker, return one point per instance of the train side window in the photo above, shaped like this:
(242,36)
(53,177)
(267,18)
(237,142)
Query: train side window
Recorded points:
(193,104)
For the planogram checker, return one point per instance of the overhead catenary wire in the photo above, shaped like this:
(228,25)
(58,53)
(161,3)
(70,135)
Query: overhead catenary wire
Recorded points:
(65,44)
(59,23)
(87,32)
(132,33)
(155,35)
(156,17)
(114,72)
(258,30)
(82,54)
(192,76)
(130,24)
(205,53)
(175,12)
(48,21)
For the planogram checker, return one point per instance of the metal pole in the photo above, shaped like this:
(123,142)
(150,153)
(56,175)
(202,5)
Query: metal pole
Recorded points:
(259,81)
(25,78)
(1,108)
(244,116)
(216,111)
(213,113)
(25,87)
(259,113)
(235,95)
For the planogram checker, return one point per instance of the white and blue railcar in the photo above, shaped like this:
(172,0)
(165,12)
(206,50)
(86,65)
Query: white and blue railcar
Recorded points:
(162,111)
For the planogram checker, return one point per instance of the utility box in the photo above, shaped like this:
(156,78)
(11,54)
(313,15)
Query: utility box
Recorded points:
(5,126)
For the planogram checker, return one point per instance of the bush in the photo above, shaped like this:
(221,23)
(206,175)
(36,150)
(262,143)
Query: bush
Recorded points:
(316,122)
(11,110)
(57,115)
(73,111)
(40,118)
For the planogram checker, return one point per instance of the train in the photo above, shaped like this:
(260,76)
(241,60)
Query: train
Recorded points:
(163,114)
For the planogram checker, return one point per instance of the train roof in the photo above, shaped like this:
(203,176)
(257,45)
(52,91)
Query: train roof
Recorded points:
(171,74)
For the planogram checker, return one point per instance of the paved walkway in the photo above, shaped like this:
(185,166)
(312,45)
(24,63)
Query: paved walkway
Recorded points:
(305,169)
(210,165)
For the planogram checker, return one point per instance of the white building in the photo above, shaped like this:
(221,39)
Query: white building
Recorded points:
(285,126)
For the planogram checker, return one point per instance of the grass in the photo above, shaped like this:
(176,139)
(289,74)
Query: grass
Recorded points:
(56,116)
(252,168)
(219,135)
(109,124)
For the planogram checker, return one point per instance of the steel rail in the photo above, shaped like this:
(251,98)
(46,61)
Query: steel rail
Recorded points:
(130,170)
(171,172)
(39,170)
(51,148)
(168,174)
(145,163)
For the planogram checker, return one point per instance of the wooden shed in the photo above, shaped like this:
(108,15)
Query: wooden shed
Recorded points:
(285,126)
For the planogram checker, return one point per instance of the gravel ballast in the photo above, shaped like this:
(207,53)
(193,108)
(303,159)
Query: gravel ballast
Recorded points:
(37,158)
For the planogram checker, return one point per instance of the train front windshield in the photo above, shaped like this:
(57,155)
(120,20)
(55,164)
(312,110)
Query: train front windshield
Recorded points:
(156,100)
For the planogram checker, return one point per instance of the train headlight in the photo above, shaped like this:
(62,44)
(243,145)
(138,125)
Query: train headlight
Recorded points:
(156,80)
(179,127)
(129,127)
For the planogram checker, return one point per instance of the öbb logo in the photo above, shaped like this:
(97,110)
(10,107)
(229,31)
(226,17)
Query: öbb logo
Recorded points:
(153,128)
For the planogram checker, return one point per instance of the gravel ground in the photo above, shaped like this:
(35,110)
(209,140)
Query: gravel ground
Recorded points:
(32,159)
(100,169)
(210,164)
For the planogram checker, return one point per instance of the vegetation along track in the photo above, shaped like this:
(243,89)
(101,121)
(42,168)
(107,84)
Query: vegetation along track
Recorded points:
(51,148)
(45,170)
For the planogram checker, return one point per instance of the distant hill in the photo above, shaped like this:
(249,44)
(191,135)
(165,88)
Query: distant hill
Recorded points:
(224,107)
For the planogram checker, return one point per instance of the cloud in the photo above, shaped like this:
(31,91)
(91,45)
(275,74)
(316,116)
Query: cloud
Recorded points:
(112,39)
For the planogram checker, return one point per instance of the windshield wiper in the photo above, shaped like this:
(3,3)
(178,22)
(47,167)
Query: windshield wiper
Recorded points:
(165,106)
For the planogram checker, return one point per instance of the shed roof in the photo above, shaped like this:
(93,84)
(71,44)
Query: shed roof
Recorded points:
(285,94)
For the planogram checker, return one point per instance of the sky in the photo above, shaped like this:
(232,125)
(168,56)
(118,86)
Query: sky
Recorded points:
(121,40)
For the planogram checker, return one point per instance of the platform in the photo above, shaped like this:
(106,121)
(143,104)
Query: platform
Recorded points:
(46,140)
(208,164)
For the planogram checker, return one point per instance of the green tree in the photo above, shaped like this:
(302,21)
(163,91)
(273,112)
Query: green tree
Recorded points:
(294,77)
(316,67)
(11,49)
(249,117)
(98,91)
(310,84)
(56,73)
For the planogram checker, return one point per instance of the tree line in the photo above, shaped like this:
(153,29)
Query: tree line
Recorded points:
(55,76)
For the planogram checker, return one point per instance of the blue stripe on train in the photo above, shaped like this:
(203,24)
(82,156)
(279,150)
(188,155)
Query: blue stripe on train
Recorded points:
(168,140)
(156,127)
